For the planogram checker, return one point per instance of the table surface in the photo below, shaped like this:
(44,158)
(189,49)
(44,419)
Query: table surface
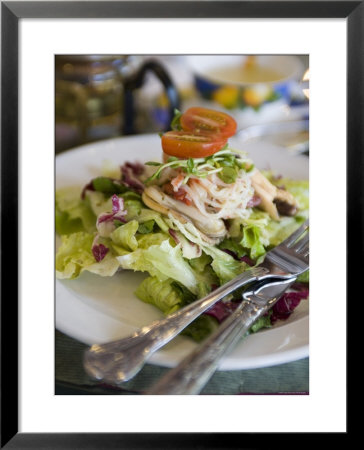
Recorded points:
(290,378)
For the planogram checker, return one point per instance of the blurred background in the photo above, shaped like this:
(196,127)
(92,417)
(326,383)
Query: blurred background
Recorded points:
(106,96)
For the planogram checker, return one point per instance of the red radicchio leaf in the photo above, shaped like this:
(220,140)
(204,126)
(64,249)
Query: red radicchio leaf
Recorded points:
(117,204)
(231,253)
(136,167)
(130,178)
(174,235)
(280,311)
(88,187)
(286,305)
(119,218)
(221,310)
(99,251)
(105,217)
(301,287)
(247,260)
(117,213)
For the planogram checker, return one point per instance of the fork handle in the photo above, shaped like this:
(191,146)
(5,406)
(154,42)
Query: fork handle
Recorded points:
(192,374)
(120,360)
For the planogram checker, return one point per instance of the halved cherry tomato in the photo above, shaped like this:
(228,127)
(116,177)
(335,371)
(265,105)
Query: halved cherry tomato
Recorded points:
(208,121)
(184,144)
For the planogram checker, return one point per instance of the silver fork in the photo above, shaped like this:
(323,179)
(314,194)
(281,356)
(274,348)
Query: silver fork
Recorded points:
(195,370)
(120,360)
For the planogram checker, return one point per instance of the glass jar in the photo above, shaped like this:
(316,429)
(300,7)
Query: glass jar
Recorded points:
(94,96)
(88,98)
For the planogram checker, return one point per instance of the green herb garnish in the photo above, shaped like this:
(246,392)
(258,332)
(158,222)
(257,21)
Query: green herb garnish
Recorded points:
(176,121)
(226,163)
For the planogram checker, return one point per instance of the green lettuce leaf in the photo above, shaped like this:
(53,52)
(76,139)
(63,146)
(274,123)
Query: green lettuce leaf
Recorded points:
(98,202)
(147,215)
(232,245)
(224,265)
(262,322)
(125,241)
(204,273)
(124,236)
(258,233)
(252,240)
(278,231)
(118,250)
(304,277)
(72,213)
(256,218)
(146,227)
(75,256)
(162,261)
(248,236)
(200,328)
(201,263)
(184,293)
(227,268)
(147,240)
(162,294)
(133,208)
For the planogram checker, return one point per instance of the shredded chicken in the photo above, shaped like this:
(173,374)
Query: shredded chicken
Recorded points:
(211,232)
(208,201)
(273,200)
(215,199)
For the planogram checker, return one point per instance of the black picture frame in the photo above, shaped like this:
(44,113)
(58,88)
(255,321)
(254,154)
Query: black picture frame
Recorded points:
(11,13)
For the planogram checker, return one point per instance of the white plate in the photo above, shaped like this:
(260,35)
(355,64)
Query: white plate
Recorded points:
(94,309)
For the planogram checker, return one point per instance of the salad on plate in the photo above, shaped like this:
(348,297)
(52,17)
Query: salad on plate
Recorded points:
(190,222)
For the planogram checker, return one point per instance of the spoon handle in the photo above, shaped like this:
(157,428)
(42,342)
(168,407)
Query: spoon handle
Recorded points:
(120,360)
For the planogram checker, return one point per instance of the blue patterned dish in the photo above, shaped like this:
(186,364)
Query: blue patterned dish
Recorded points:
(216,79)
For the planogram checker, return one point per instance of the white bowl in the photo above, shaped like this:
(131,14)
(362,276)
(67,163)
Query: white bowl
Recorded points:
(288,67)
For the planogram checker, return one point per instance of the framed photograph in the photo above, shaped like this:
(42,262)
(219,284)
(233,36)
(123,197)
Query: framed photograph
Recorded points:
(34,37)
